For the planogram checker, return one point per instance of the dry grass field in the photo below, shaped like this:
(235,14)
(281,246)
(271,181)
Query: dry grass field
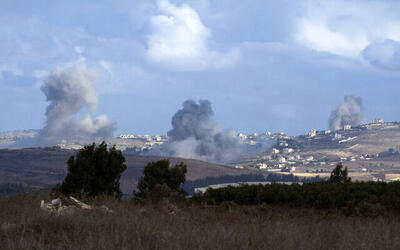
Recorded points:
(188,226)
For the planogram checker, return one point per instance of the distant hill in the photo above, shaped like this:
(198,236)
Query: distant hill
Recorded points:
(40,167)
(369,150)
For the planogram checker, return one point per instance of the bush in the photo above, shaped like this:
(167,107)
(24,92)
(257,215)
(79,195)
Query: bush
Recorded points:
(94,171)
(339,174)
(160,181)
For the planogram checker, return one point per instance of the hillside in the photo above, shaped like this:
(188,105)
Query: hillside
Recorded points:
(371,151)
(39,167)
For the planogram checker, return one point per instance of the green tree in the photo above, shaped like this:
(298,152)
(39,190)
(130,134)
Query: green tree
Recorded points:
(94,171)
(339,174)
(159,181)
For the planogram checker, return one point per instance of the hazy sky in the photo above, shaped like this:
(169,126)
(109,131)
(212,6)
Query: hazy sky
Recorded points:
(272,65)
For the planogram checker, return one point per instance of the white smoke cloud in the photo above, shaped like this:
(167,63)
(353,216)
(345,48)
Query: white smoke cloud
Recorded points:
(349,113)
(71,95)
(99,127)
(181,41)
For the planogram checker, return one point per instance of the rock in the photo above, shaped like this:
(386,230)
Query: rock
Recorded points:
(80,204)
(56,206)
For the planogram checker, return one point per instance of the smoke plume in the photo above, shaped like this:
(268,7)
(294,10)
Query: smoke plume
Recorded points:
(72,100)
(194,134)
(349,113)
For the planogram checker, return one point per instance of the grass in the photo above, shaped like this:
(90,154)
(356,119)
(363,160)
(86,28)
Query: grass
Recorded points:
(189,226)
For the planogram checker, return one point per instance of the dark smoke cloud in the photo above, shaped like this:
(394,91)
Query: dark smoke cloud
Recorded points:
(71,100)
(195,135)
(349,113)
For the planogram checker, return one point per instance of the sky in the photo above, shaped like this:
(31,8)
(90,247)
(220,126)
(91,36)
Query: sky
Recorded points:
(270,65)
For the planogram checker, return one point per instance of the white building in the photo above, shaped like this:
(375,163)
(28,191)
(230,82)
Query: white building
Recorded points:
(310,158)
(127,136)
(275,151)
(262,166)
(312,133)
(377,120)
(338,136)
(243,136)
(288,150)
(346,127)
(283,144)
(281,159)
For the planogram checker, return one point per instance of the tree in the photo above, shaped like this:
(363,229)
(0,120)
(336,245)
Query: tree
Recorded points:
(339,175)
(159,181)
(94,171)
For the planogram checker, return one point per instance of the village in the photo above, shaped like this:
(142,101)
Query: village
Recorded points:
(318,152)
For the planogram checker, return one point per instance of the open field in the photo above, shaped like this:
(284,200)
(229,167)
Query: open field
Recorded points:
(168,226)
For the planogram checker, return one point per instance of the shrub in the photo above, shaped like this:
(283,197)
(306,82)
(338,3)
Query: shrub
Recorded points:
(94,171)
(339,174)
(160,181)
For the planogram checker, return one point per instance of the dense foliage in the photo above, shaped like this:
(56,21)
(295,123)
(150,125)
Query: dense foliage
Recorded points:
(364,198)
(319,195)
(159,181)
(94,171)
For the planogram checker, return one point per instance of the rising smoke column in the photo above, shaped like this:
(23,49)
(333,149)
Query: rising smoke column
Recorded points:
(194,134)
(349,113)
(72,100)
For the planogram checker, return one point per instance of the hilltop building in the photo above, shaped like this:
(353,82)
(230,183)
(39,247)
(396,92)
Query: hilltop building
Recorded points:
(287,150)
(346,127)
(281,159)
(275,151)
